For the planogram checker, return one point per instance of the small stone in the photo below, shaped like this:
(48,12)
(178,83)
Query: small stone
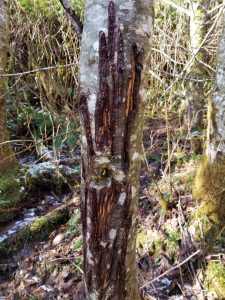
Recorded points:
(58,239)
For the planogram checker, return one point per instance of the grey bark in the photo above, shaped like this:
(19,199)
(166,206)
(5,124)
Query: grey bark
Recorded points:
(113,72)
(195,97)
(216,110)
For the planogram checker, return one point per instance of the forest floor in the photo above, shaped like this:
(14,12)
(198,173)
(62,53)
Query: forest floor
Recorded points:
(170,262)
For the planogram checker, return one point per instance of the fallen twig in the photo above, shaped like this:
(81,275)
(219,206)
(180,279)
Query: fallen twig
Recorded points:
(168,271)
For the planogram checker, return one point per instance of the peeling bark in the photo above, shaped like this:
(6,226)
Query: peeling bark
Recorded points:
(113,68)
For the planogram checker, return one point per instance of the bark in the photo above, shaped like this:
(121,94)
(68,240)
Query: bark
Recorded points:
(7,160)
(216,116)
(113,73)
(209,184)
(195,98)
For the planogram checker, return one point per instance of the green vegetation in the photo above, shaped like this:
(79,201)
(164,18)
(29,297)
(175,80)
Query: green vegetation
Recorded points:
(10,194)
(215,279)
(43,118)
(49,7)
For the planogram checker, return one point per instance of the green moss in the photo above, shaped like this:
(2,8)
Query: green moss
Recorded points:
(39,230)
(102,172)
(9,187)
(141,239)
(77,244)
(215,279)
(209,190)
(171,242)
(10,194)
(168,242)
(74,223)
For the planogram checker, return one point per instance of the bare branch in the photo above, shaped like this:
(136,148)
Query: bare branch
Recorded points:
(38,70)
(178,7)
(168,271)
(75,21)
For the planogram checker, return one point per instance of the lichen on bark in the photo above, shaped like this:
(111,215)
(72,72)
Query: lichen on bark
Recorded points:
(113,65)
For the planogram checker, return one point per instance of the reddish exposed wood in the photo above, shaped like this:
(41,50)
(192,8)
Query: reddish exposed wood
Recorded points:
(111,83)
(132,100)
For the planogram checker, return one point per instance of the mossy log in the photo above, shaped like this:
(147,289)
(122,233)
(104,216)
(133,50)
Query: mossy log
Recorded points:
(38,230)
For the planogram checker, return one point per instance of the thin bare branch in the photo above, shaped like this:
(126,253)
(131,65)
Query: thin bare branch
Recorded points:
(75,21)
(168,271)
(178,7)
(38,70)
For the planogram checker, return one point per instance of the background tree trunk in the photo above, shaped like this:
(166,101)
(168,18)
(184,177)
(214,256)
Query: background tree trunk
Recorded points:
(210,180)
(113,75)
(7,160)
(195,98)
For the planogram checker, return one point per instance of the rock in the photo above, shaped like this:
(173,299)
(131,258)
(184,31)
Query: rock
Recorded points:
(58,239)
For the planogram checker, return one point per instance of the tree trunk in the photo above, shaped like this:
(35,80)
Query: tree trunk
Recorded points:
(7,159)
(195,98)
(210,180)
(113,77)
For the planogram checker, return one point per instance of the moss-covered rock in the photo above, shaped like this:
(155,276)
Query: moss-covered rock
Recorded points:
(50,176)
(39,230)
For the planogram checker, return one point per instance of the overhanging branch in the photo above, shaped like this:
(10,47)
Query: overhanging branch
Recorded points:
(75,21)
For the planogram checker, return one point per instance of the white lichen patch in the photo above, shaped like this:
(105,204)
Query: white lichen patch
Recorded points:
(112,234)
(94,296)
(96,46)
(89,257)
(119,175)
(91,103)
(84,140)
(135,155)
(133,137)
(133,191)
(88,221)
(143,93)
(103,244)
(102,160)
(122,198)
(88,236)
